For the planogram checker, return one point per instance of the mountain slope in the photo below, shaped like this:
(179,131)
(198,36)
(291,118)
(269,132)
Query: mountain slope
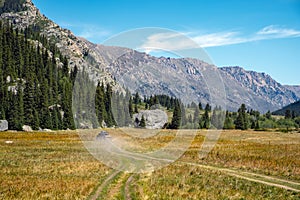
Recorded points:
(262,85)
(74,48)
(294,88)
(257,90)
(294,107)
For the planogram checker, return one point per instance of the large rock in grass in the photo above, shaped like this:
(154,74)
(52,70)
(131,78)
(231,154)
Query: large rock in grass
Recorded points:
(3,125)
(155,119)
(27,128)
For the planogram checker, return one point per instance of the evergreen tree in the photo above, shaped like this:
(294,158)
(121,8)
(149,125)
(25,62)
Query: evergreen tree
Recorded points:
(228,123)
(206,119)
(130,107)
(142,123)
(242,122)
(200,106)
(136,110)
(176,119)
(268,115)
(196,120)
(288,114)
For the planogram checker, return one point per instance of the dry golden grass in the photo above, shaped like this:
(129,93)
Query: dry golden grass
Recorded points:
(47,166)
(56,165)
(189,182)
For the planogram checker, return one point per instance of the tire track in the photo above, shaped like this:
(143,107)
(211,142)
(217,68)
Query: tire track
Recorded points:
(127,195)
(103,185)
(266,180)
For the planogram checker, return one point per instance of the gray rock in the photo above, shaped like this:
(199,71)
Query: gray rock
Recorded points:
(3,125)
(85,125)
(155,119)
(27,128)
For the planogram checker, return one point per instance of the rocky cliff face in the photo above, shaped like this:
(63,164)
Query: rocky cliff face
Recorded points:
(76,49)
(294,88)
(148,75)
(183,78)
(262,85)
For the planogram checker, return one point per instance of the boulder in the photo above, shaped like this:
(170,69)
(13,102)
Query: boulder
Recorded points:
(155,119)
(3,125)
(85,125)
(26,128)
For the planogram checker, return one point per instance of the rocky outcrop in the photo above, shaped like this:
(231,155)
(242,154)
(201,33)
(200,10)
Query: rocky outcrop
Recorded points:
(155,119)
(3,125)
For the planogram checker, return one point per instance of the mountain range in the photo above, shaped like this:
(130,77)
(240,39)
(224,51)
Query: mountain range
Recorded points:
(139,72)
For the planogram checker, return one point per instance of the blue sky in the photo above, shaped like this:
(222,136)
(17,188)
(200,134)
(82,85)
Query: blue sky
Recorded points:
(260,35)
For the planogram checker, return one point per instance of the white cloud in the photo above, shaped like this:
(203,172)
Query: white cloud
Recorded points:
(218,39)
(279,32)
(178,41)
(168,40)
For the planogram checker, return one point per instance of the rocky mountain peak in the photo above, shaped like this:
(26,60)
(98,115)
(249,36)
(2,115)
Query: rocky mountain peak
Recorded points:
(24,13)
(145,73)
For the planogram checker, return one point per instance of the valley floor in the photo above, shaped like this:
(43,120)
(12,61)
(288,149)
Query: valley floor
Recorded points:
(242,165)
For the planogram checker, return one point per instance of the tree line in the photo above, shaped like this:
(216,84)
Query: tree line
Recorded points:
(36,88)
(197,116)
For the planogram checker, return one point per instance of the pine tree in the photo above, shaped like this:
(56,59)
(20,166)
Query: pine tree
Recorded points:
(268,115)
(288,114)
(130,107)
(136,110)
(142,123)
(100,104)
(206,120)
(200,106)
(176,119)
(241,121)
(228,123)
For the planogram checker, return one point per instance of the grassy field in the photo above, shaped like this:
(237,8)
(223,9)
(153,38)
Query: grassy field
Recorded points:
(243,165)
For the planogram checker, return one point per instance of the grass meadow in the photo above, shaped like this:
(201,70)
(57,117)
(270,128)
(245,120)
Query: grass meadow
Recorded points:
(242,165)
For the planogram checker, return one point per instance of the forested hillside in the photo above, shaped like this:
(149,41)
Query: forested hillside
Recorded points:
(35,83)
(292,110)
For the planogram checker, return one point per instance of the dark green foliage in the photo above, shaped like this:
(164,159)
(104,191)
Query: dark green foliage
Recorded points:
(137,98)
(268,115)
(196,119)
(142,123)
(130,107)
(163,100)
(241,121)
(136,110)
(294,108)
(207,108)
(200,106)
(205,122)
(177,117)
(288,114)
(228,123)
(218,118)
(31,83)
(112,108)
